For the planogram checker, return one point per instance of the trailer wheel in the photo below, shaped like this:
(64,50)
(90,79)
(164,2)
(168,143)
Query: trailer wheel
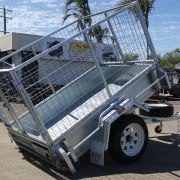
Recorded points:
(158,129)
(158,110)
(128,138)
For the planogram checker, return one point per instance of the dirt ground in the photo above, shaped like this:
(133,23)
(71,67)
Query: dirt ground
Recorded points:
(160,161)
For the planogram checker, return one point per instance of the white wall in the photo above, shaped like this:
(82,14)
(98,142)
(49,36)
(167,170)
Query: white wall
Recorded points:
(6,42)
(20,40)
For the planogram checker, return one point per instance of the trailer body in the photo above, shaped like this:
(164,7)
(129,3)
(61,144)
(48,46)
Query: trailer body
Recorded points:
(61,106)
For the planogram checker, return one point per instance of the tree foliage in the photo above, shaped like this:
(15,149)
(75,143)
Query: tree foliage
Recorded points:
(131,57)
(77,9)
(169,60)
(80,8)
(100,33)
(146,7)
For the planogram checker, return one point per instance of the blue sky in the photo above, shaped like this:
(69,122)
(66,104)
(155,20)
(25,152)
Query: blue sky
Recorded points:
(44,16)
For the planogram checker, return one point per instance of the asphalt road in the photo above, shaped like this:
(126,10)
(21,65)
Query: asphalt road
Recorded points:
(160,161)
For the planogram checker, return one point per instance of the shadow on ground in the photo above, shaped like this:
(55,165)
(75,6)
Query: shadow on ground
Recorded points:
(159,157)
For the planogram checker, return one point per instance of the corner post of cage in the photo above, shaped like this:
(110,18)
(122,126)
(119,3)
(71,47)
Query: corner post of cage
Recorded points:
(27,100)
(115,39)
(12,113)
(146,32)
(95,58)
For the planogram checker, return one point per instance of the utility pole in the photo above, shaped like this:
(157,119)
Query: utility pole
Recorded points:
(5,17)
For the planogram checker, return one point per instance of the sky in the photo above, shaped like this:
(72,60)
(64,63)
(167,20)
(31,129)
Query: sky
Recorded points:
(42,17)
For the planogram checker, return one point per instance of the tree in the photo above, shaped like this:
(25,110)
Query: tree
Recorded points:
(77,9)
(170,59)
(100,33)
(131,57)
(146,7)
(80,8)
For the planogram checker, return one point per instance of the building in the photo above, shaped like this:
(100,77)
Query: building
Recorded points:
(76,51)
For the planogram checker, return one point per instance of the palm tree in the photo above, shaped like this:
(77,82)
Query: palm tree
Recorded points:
(146,7)
(77,9)
(80,8)
(99,33)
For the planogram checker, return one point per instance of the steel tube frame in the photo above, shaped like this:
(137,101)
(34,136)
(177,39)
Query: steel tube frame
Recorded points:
(146,32)
(21,49)
(115,39)
(155,82)
(67,40)
(111,107)
(37,41)
(42,129)
(156,77)
(12,113)
(96,59)
(144,72)
(166,75)
(150,120)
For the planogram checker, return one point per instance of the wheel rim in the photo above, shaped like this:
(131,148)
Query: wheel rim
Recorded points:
(132,139)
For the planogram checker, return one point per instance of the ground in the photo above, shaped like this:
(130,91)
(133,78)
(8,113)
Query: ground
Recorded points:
(161,160)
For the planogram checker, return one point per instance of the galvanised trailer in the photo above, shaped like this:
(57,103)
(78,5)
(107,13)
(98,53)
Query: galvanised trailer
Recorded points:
(94,110)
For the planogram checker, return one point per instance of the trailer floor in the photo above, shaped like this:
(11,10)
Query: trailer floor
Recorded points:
(160,161)
(80,111)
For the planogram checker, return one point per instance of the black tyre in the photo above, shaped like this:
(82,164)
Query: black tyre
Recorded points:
(128,138)
(175,91)
(158,110)
(157,129)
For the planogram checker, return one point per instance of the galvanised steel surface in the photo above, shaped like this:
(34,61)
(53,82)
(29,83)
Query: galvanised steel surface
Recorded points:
(57,93)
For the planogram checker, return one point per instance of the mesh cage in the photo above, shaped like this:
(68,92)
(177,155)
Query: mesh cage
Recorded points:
(12,106)
(68,74)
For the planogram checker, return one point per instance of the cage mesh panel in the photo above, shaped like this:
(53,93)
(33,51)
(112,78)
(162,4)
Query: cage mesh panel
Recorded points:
(64,84)
(16,102)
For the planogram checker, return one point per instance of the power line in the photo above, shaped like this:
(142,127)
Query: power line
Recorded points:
(5,17)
